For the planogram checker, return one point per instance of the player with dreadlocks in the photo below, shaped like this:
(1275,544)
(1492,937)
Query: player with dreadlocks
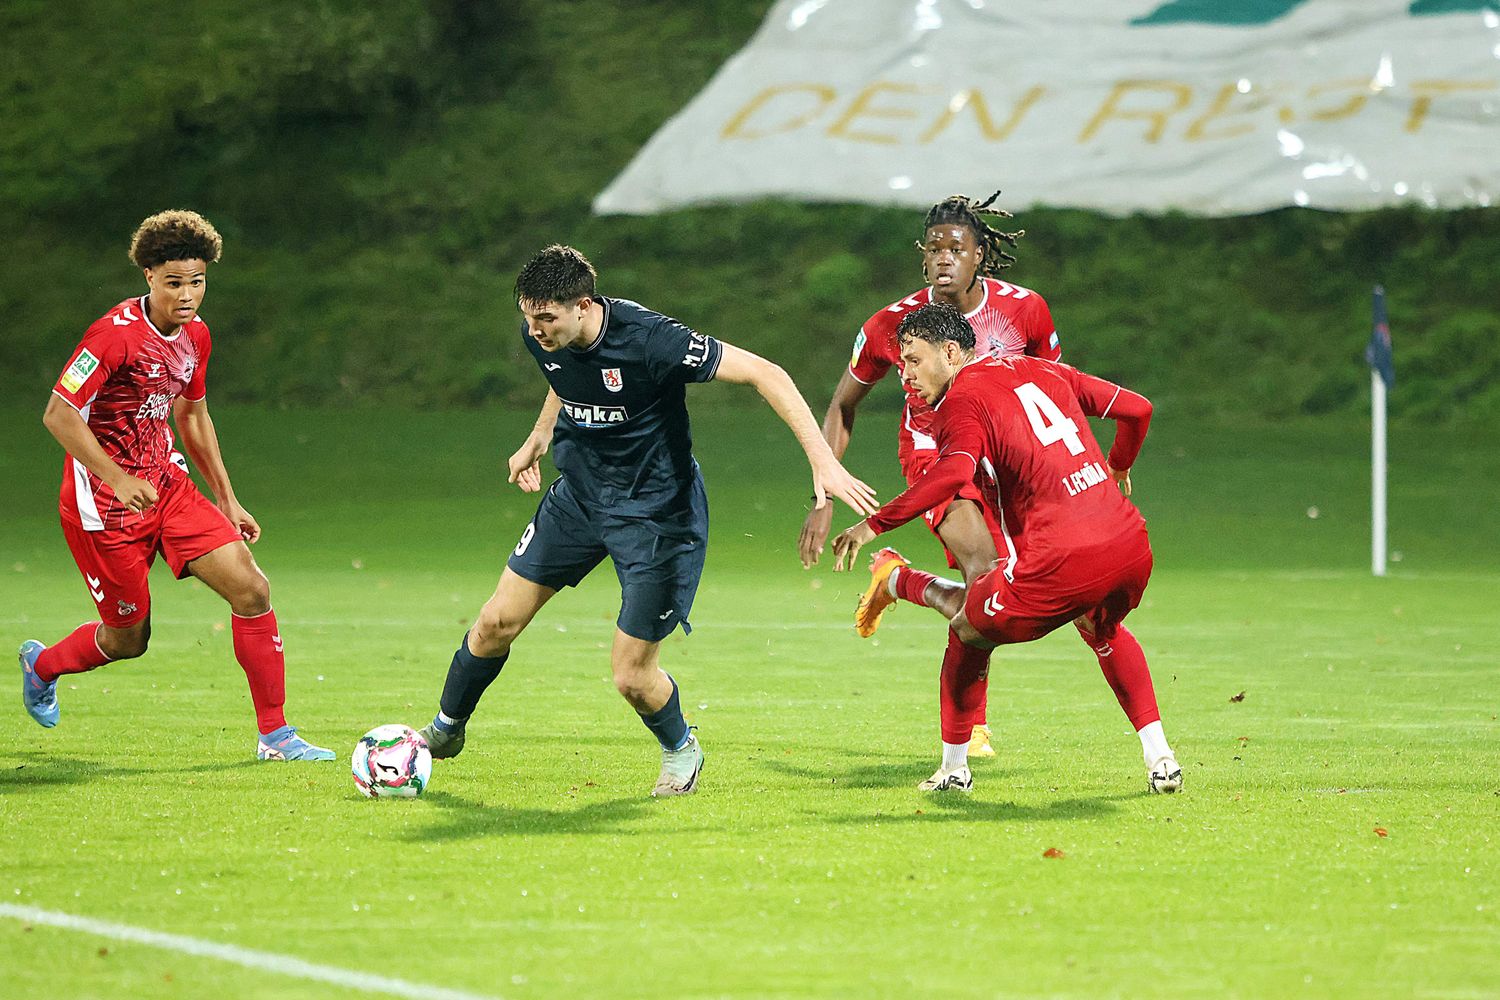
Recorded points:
(963,253)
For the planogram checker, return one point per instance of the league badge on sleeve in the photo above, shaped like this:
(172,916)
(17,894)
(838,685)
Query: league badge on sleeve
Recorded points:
(82,367)
(613,381)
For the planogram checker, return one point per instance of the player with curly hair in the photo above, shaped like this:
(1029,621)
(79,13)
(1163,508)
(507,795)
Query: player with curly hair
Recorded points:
(1074,548)
(126,494)
(964,251)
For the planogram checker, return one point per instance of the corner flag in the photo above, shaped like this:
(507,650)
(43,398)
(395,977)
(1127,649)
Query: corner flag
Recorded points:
(1382,377)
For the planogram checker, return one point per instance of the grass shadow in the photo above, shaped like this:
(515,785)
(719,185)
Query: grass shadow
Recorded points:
(45,770)
(36,769)
(950,806)
(464,818)
(883,774)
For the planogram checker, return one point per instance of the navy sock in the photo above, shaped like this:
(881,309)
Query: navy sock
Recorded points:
(468,676)
(667,723)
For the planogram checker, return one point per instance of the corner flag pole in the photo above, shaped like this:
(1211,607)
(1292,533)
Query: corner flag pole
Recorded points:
(1377,473)
(1382,376)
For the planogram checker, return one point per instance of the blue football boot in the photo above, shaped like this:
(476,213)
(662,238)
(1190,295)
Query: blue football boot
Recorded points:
(39,696)
(285,744)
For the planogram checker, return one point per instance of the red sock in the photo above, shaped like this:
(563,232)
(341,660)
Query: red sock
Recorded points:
(911,584)
(962,689)
(1124,666)
(78,652)
(257,645)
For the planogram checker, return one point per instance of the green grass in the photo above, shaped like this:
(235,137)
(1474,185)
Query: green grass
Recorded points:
(808,865)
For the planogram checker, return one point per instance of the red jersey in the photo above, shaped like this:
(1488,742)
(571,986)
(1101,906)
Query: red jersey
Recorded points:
(1017,427)
(123,379)
(1009,320)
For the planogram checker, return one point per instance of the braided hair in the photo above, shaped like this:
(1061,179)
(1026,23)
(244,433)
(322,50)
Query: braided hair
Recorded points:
(961,210)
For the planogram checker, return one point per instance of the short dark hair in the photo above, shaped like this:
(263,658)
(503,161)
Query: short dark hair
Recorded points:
(935,323)
(175,234)
(961,210)
(557,274)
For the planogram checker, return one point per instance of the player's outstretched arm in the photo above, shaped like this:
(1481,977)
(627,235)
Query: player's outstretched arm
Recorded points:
(72,432)
(1131,413)
(525,465)
(195,428)
(838,428)
(830,478)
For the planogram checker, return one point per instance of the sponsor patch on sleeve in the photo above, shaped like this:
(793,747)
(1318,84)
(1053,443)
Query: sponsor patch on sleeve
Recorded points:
(1052,341)
(859,345)
(79,371)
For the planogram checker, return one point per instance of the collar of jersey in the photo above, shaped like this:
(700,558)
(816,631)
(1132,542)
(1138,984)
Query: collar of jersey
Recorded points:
(983,283)
(957,375)
(986,286)
(146,315)
(603,326)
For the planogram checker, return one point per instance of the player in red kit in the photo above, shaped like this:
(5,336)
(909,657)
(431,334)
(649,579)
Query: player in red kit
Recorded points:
(1073,548)
(962,258)
(126,495)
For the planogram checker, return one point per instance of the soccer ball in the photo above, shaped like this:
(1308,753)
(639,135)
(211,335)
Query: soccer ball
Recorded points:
(391,762)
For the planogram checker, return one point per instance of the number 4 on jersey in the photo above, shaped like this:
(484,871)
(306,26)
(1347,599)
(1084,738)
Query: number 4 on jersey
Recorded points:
(1048,422)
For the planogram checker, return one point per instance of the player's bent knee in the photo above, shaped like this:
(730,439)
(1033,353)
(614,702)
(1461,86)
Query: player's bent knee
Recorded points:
(492,634)
(254,597)
(635,669)
(968,634)
(125,643)
(631,686)
(636,685)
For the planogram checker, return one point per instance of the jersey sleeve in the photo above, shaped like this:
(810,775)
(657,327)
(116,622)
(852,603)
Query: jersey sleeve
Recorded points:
(101,352)
(960,442)
(869,361)
(1130,411)
(676,353)
(197,387)
(1041,333)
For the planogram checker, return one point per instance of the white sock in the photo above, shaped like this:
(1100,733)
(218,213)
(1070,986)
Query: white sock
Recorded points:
(1153,743)
(450,722)
(890,582)
(955,756)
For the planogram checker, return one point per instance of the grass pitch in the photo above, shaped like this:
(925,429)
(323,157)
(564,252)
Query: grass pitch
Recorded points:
(1336,837)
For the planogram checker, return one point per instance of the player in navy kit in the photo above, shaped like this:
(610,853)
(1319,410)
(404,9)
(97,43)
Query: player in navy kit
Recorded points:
(630,489)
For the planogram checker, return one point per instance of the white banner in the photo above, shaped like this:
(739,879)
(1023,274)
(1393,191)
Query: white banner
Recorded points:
(1215,107)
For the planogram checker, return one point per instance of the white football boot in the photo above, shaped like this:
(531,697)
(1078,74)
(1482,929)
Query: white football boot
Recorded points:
(957,780)
(1164,776)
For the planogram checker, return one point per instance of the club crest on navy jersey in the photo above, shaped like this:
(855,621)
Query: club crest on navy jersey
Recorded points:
(613,380)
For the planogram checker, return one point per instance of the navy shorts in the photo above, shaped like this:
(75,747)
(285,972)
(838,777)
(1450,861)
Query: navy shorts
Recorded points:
(659,562)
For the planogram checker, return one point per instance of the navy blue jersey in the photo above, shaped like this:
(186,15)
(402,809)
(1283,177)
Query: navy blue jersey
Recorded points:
(622,440)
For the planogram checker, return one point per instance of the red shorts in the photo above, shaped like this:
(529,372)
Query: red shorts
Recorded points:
(1102,586)
(913,464)
(116,562)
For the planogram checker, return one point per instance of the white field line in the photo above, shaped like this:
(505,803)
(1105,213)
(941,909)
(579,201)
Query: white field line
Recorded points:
(266,961)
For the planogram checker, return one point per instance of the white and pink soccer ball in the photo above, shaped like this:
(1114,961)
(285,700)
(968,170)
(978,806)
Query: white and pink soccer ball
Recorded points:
(391,761)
